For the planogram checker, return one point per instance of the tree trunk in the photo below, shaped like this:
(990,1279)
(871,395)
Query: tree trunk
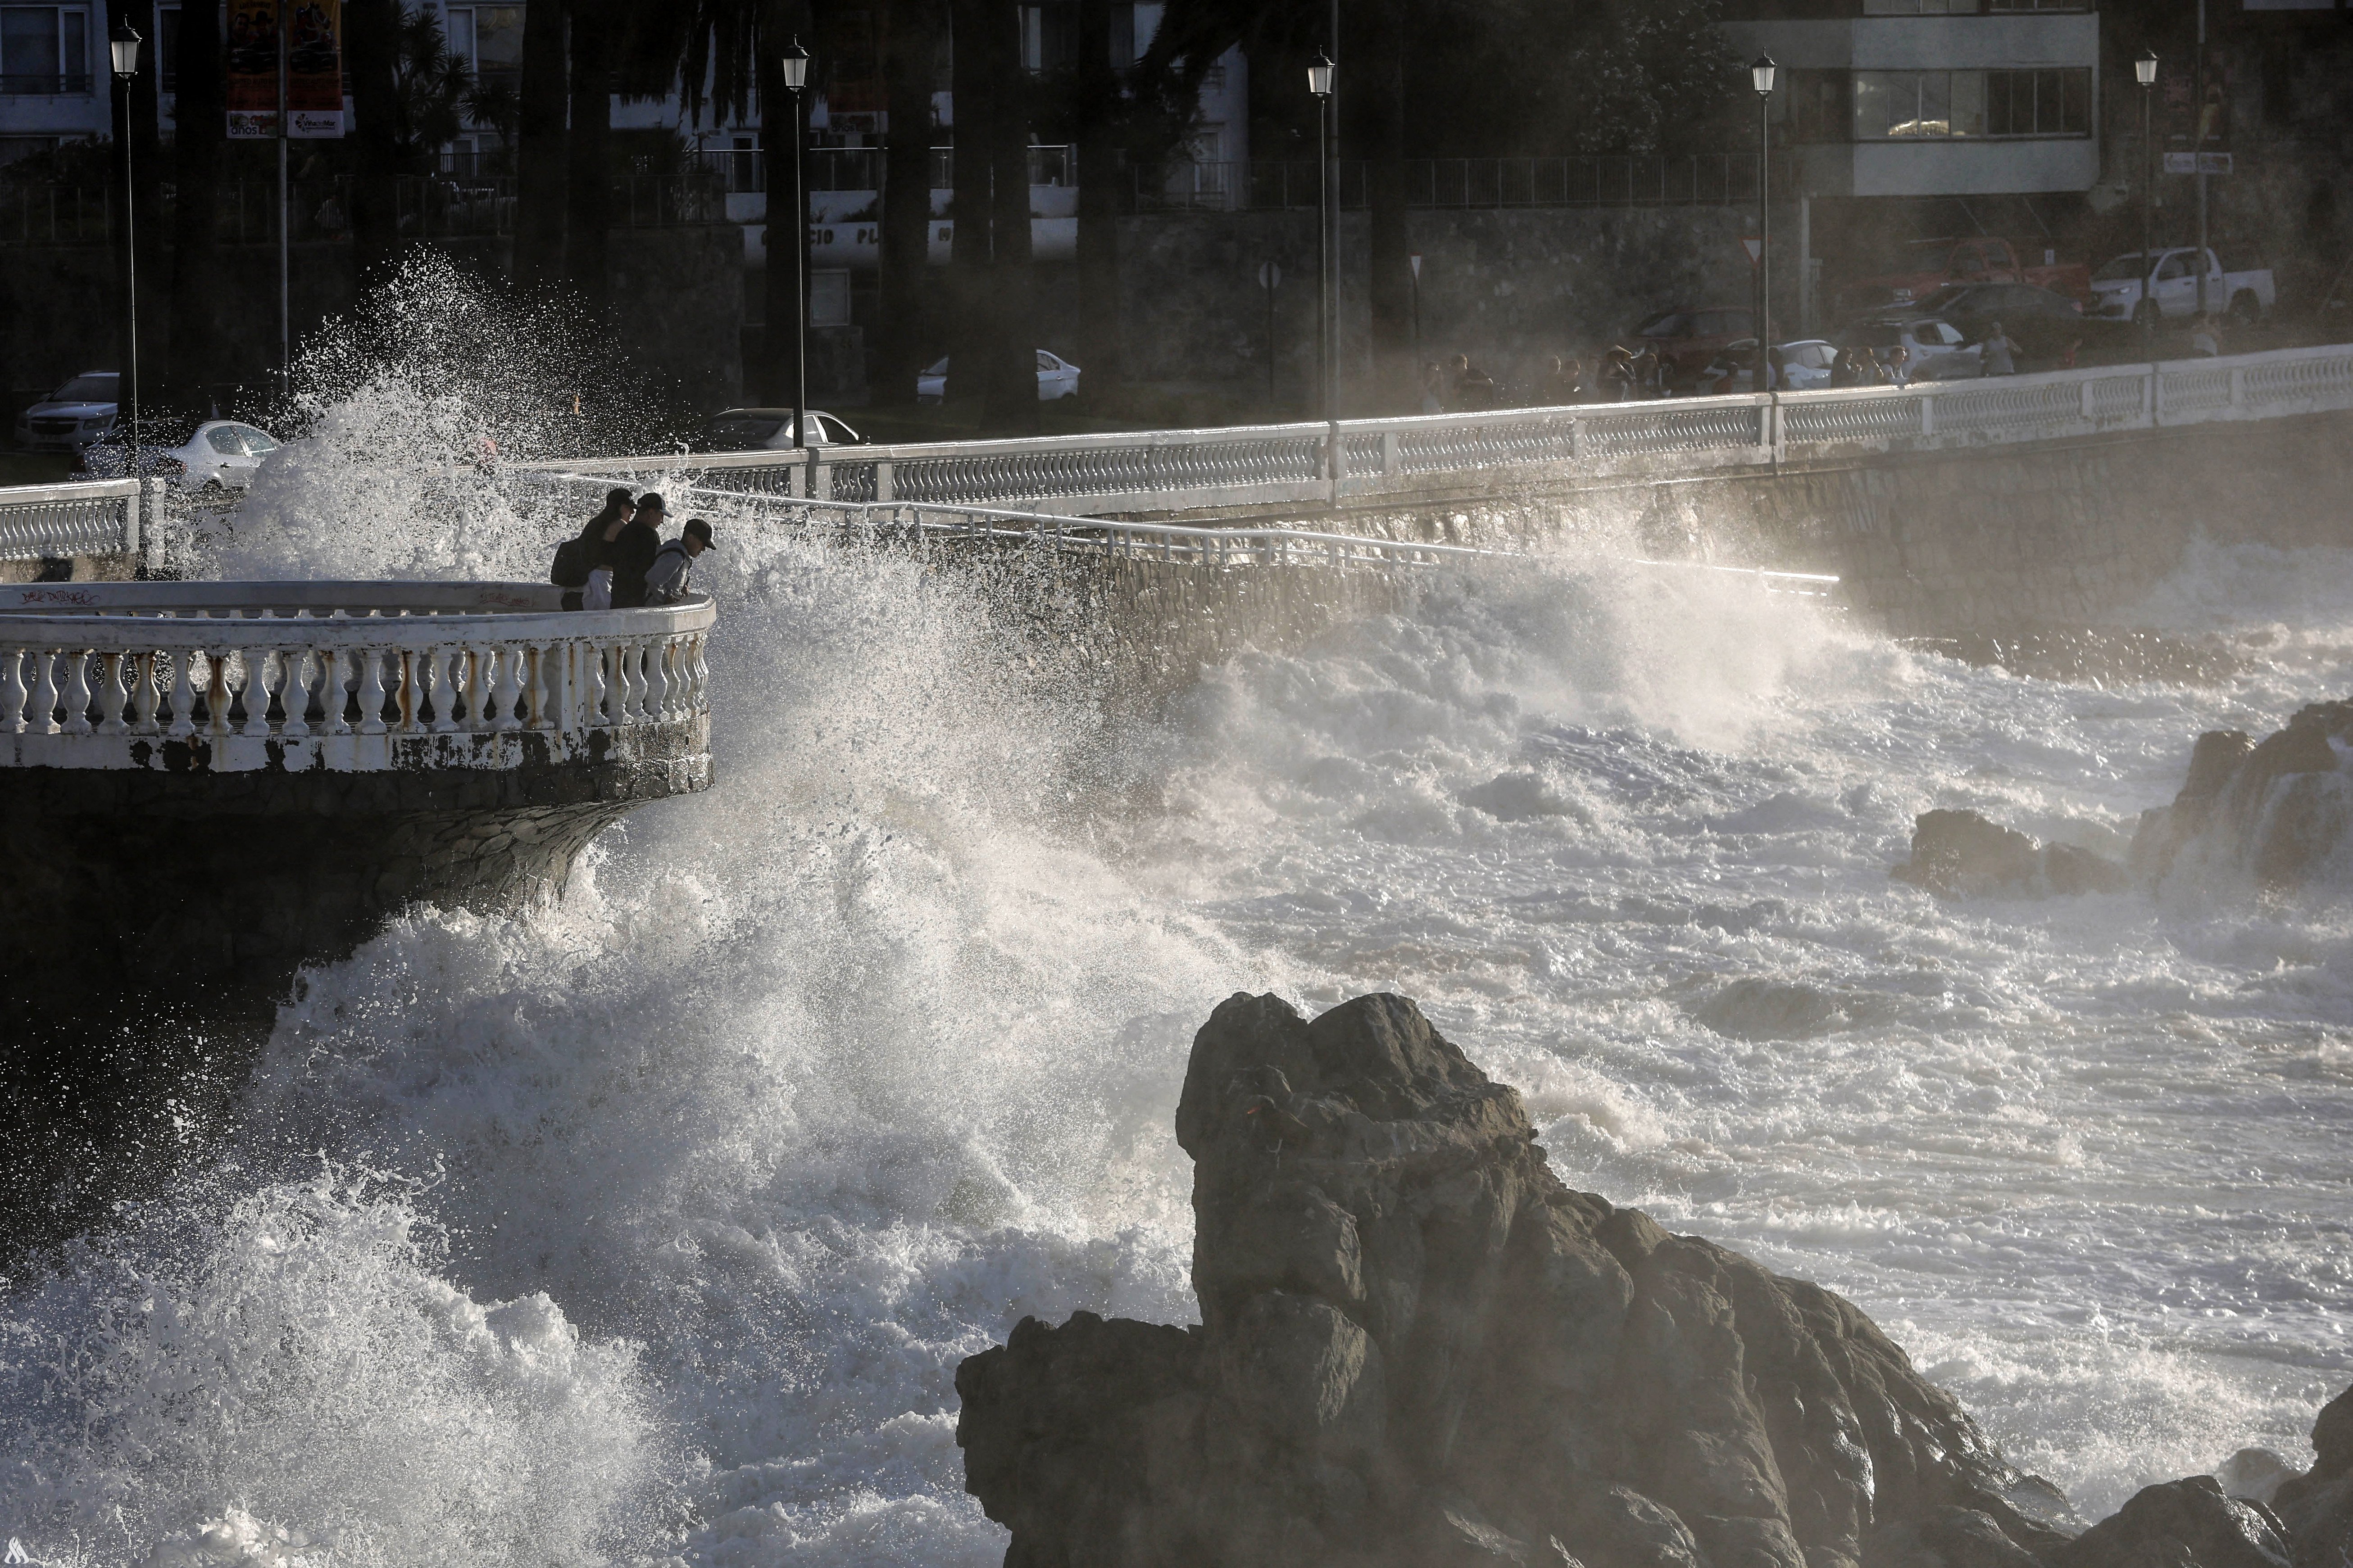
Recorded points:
(974,332)
(540,183)
(1383,98)
(588,161)
(1098,258)
(197,329)
(1010,387)
(910,60)
(371,40)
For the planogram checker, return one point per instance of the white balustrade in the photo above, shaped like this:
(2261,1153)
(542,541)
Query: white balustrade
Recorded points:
(1182,471)
(352,677)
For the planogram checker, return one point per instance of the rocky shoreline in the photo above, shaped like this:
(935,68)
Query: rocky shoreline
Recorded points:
(1419,1348)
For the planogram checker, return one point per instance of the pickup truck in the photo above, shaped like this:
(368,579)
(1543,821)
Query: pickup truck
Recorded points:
(2126,285)
(1928,265)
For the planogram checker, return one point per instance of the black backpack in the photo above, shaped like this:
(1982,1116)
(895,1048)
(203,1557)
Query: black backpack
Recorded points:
(571,568)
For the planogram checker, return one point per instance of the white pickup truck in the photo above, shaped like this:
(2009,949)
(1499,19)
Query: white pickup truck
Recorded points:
(2120,288)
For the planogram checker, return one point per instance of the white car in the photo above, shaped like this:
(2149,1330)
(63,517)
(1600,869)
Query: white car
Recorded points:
(1057,378)
(1939,351)
(770,430)
(73,416)
(1807,362)
(223,455)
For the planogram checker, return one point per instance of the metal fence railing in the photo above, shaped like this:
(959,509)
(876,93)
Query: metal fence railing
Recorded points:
(1175,471)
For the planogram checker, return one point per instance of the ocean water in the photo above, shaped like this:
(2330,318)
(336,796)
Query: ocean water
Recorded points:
(653,1226)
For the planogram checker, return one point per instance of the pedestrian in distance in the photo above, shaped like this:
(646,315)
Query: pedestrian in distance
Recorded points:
(1875,371)
(584,564)
(1433,389)
(1617,378)
(1474,388)
(666,579)
(2000,353)
(1564,383)
(634,549)
(1899,365)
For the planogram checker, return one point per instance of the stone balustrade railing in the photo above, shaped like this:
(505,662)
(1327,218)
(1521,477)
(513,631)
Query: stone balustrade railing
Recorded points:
(1175,471)
(101,517)
(341,677)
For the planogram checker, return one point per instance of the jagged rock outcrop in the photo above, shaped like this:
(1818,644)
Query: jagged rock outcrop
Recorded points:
(2273,810)
(1419,1348)
(1960,854)
(2316,1508)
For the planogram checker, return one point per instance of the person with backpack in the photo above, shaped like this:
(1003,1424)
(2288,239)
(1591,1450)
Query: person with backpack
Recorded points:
(665,578)
(580,559)
(634,544)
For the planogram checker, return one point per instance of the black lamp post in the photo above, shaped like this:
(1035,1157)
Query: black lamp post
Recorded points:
(1760,76)
(1319,82)
(123,43)
(2144,72)
(796,67)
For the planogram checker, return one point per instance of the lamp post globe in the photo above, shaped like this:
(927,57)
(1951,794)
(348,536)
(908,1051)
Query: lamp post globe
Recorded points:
(1319,76)
(2144,69)
(122,45)
(1320,72)
(2144,72)
(1761,72)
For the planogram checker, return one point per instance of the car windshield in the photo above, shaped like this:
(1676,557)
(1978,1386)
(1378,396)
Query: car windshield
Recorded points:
(1665,324)
(2125,268)
(744,430)
(86,389)
(939,369)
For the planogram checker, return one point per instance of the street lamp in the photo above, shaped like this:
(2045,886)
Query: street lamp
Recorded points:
(2144,72)
(1319,83)
(123,43)
(796,67)
(1760,75)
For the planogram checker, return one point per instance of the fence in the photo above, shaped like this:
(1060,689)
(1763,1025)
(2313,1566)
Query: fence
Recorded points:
(1173,472)
(49,522)
(348,677)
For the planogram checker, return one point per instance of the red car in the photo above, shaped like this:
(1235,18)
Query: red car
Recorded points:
(1925,265)
(1688,340)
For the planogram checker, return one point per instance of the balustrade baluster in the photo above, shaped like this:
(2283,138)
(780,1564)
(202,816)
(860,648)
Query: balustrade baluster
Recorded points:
(115,697)
(441,671)
(408,702)
(294,694)
(506,672)
(216,695)
(477,688)
(633,681)
(44,691)
(702,675)
(370,690)
(184,695)
(12,691)
(143,695)
(535,657)
(78,693)
(335,697)
(257,691)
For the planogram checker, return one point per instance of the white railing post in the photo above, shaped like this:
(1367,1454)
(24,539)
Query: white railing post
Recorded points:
(883,480)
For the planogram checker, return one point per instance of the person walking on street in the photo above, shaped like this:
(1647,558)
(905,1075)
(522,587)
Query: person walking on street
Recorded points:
(1617,378)
(634,548)
(1564,383)
(1899,365)
(666,579)
(602,531)
(1474,388)
(2000,352)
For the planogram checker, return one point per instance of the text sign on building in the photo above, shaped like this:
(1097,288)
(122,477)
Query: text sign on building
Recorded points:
(2198,163)
(314,70)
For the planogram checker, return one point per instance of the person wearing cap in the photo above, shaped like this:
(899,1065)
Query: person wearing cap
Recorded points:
(634,549)
(665,578)
(597,536)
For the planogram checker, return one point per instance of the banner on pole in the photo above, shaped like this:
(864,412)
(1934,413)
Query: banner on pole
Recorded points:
(314,70)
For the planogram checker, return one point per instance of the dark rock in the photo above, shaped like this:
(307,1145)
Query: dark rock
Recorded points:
(2274,811)
(2316,1508)
(1419,1347)
(2181,1523)
(1959,853)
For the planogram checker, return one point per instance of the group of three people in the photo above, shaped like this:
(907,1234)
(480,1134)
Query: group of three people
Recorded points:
(629,563)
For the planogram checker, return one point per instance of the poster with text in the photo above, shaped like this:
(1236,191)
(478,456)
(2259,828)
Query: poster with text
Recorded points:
(312,40)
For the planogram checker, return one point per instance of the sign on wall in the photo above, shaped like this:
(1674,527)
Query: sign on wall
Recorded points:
(314,68)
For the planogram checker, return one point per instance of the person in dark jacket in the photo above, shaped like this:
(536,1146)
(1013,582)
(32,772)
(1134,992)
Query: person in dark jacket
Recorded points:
(634,549)
(596,541)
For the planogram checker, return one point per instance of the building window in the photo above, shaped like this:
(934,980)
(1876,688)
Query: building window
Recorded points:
(43,49)
(1817,106)
(1944,105)
(167,49)
(1920,7)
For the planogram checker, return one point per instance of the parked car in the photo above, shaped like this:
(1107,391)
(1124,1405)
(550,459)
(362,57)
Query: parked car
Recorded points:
(74,416)
(1689,339)
(2039,322)
(1939,350)
(1057,378)
(1925,265)
(223,455)
(2170,277)
(1805,362)
(770,430)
